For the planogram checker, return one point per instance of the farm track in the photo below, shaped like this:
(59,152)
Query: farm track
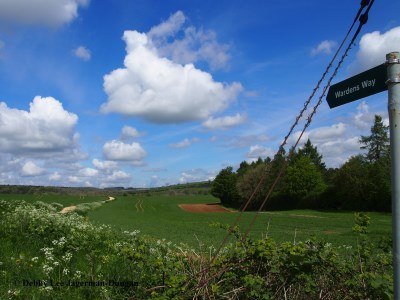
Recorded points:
(73,207)
(68,209)
(138,205)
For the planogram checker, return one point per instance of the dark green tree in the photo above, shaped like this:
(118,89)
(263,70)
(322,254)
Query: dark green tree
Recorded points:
(224,187)
(275,168)
(310,151)
(361,185)
(259,161)
(377,143)
(304,180)
(351,184)
(278,161)
(247,185)
(363,182)
(243,168)
(267,160)
(380,184)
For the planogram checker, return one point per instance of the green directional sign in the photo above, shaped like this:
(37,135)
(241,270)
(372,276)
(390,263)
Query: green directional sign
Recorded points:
(362,85)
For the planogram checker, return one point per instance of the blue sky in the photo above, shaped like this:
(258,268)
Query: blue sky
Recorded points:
(149,93)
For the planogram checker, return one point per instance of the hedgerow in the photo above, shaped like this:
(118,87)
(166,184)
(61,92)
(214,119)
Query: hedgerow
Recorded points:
(42,247)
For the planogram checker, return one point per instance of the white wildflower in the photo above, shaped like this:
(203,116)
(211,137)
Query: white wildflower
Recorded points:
(67,257)
(78,274)
(47,269)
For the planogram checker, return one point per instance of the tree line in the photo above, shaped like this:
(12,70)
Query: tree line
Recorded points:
(361,183)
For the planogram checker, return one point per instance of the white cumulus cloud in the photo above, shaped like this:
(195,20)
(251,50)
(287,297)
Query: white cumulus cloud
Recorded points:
(224,122)
(325,47)
(373,48)
(31,169)
(120,151)
(41,12)
(257,151)
(55,176)
(46,127)
(182,144)
(83,53)
(363,118)
(321,134)
(194,45)
(117,178)
(74,179)
(159,90)
(339,141)
(104,165)
(168,28)
(196,175)
(129,132)
(89,172)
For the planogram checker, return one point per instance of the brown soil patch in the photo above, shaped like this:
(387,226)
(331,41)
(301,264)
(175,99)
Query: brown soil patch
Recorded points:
(203,208)
(307,216)
(330,232)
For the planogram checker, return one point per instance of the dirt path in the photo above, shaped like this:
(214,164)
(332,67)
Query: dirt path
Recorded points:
(73,207)
(68,209)
(138,205)
(203,208)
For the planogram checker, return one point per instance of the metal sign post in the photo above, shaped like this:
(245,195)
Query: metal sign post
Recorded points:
(393,82)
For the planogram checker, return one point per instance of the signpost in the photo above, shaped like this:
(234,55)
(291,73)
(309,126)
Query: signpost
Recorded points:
(376,80)
(360,86)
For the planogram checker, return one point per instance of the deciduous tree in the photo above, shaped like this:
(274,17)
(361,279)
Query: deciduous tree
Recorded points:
(224,187)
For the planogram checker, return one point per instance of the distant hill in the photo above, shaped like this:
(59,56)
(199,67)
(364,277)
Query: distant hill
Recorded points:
(184,188)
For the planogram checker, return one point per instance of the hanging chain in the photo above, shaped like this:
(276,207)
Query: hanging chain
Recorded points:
(363,18)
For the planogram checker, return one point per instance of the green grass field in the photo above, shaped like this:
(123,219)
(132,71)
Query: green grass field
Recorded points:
(159,216)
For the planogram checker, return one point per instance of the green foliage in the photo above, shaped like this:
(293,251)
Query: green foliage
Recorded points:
(362,221)
(377,143)
(303,179)
(84,208)
(309,270)
(361,185)
(310,151)
(351,183)
(247,184)
(379,184)
(224,186)
(243,168)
